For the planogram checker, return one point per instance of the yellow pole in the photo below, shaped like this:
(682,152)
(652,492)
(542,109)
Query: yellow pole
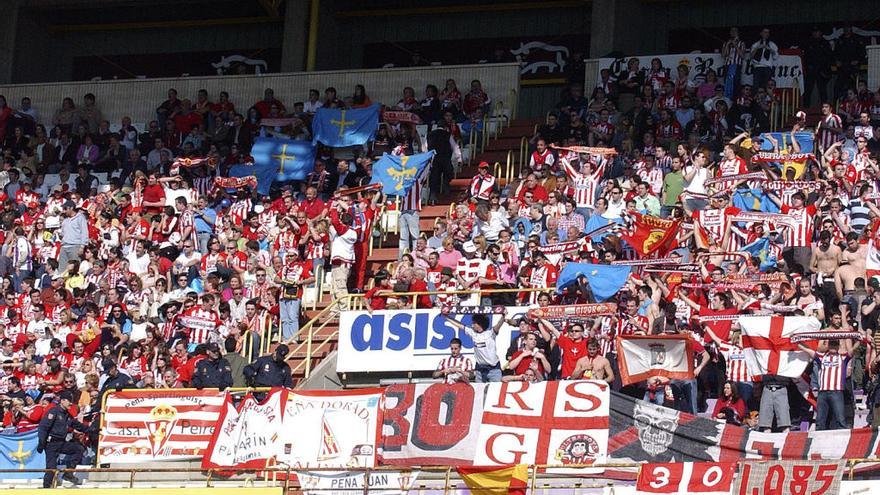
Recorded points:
(312,53)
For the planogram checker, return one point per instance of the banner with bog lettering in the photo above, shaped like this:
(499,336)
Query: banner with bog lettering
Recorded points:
(555,423)
(302,429)
(789,69)
(415,340)
(158,425)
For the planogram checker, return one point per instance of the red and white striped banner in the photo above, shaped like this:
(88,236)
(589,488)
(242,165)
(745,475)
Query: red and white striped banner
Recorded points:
(407,117)
(141,426)
(573,310)
(737,178)
(587,149)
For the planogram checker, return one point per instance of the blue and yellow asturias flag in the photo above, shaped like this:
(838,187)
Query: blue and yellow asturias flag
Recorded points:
(277,159)
(397,174)
(19,452)
(604,280)
(338,127)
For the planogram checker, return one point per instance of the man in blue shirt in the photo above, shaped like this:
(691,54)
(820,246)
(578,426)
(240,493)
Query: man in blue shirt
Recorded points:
(205,218)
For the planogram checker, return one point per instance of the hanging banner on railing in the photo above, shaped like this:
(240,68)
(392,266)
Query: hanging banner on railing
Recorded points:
(246,434)
(705,478)
(774,477)
(789,69)
(158,425)
(338,429)
(352,482)
(301,429)
(411,340)
(556,423)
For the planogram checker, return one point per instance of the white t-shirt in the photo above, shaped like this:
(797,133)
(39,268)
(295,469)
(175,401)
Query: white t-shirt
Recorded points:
(136,265)
(698,183)
(485,352)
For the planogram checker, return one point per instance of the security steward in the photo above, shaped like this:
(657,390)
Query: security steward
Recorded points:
(270,370)
(53,439)
(213,372)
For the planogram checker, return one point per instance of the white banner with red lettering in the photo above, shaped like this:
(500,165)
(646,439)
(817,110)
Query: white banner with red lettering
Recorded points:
(558,423)
(788,70)
(686,477)
(158,425)
(246,435)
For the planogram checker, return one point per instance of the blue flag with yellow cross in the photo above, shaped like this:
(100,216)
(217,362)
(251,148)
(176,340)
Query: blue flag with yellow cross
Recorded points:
(277,159)
(340,127)
(18,452)
(397,174)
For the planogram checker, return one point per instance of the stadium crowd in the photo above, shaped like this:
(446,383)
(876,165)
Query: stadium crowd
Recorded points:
(155,277)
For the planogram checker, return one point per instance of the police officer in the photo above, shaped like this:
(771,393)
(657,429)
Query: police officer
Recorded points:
(53,439)
(214,371)
(270,370)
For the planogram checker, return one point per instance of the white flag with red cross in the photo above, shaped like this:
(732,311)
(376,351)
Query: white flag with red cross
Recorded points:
(767,345)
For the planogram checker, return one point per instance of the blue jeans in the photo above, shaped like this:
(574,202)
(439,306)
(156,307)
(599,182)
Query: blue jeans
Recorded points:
(687,390)
(829,410)
(486,374)
(204,237)
(731,80)
(746,390)
(289,309)
(659,396)
(408,224)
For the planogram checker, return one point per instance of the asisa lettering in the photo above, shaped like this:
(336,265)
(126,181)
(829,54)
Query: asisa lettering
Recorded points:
(405,330)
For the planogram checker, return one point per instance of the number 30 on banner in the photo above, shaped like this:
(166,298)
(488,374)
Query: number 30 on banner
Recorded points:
(690,477)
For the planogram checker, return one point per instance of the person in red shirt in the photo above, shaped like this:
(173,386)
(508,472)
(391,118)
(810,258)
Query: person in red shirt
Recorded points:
(154,195)
(265,105)
(314,208)
(529,357)
(377,297)
(573,345)
(531,186)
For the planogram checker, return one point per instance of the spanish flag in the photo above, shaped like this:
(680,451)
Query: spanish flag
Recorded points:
(510,480)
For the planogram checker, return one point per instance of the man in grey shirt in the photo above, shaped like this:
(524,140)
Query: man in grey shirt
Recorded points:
(74,234)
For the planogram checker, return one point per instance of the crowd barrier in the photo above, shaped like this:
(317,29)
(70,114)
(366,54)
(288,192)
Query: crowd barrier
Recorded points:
(138,98)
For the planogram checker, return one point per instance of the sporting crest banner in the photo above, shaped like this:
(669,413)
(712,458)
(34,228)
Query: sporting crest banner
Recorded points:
(141,426)
(642,357)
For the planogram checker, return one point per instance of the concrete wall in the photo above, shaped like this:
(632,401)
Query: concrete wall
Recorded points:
(139,98)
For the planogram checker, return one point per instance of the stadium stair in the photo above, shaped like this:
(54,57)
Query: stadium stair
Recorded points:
(507,144)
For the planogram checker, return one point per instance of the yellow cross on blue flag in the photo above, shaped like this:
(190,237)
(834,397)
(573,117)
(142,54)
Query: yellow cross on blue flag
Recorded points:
(277,159)
(397,174)
(604,280)
(19,452)
(338,127)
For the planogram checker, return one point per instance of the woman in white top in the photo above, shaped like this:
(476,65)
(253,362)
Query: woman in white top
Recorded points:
(695,176)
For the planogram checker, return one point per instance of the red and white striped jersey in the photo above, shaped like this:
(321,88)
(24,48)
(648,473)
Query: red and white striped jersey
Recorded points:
(606,328)
(463,362)
(713,221)
(654,178)
(136,232)
(200,324)
(585,184)
(855,171)
(239,210)
(832,370)
(737,370)
(826,137)
(211,260)
(544,277)
(481,186)
(447,299)
(287,240)
(413,198)
(726,168)
(469,269)
(188,221)
(802,232)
